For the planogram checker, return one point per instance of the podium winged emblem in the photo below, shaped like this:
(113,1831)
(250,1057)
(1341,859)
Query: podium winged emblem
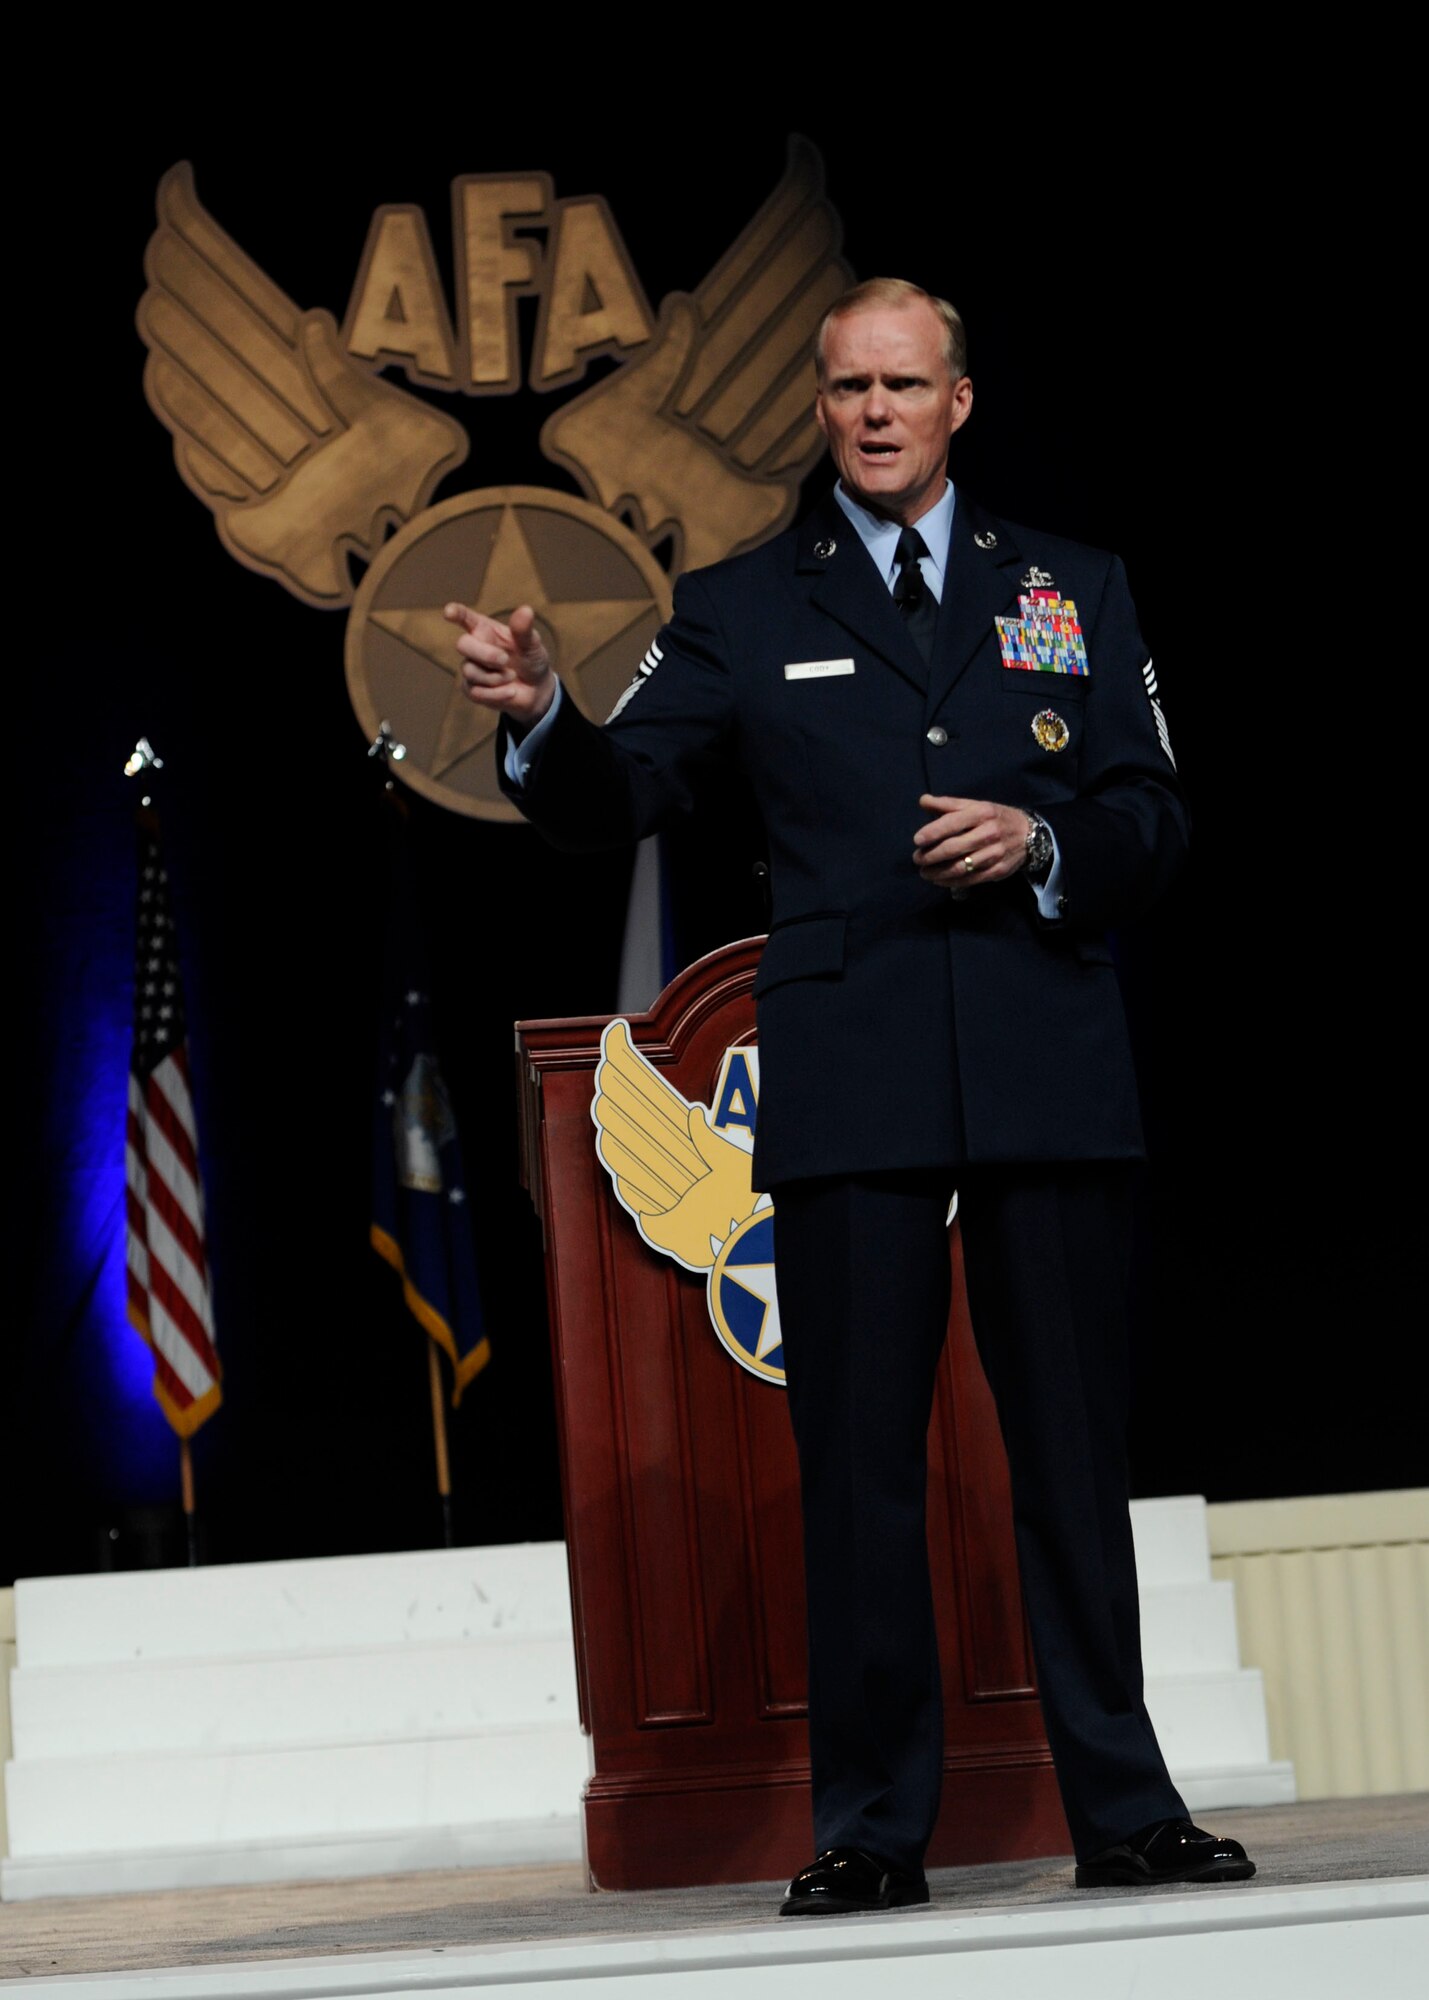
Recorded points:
(683,1172)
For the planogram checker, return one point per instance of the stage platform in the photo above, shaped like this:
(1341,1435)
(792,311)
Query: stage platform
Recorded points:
(1341,1905)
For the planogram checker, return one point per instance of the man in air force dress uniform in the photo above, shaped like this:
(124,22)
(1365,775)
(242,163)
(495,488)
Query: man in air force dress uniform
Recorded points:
(952,730)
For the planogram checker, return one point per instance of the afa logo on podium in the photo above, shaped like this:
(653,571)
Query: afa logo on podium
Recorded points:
(683,1172)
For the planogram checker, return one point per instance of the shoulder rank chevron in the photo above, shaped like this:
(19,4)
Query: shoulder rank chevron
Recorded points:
(1148,674)
(652,659)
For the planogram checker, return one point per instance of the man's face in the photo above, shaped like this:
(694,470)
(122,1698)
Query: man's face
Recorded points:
(888,407)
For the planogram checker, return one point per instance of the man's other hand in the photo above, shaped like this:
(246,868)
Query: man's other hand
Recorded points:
(969,841)
(504,666)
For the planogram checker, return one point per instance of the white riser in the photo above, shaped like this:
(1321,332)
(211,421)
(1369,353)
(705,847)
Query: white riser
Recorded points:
(85,1805)
(264,1703)
(1172,1540)
(430,1597)
(1189,1628)
(1210,1720)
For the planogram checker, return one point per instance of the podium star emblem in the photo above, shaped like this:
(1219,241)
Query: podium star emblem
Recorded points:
(758,1281)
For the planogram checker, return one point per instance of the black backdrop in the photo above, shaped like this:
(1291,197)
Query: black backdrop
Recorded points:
(1141,383)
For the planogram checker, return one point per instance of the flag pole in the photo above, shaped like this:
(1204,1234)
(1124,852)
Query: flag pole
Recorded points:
(186,1481)
(386,750)
(439,1435)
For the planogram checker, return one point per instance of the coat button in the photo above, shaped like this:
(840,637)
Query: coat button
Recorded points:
(937,734)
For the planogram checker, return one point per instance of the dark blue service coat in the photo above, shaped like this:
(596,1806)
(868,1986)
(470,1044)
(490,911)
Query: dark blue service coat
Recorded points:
(900,1027)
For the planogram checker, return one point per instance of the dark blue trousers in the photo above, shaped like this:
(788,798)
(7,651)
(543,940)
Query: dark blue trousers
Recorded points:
(864,1295)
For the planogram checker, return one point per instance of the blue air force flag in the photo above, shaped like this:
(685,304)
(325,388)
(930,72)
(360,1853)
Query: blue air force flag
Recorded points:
(421,1224)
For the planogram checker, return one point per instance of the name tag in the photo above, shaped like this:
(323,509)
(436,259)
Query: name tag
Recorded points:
(816,670)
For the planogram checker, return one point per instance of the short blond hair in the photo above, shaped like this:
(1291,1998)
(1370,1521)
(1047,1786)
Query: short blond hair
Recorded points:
(897,292)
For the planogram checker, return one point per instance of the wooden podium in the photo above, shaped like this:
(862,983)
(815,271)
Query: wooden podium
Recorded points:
(682,1520)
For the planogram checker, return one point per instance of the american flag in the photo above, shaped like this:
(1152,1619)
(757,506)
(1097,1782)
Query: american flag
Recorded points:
(169,1298)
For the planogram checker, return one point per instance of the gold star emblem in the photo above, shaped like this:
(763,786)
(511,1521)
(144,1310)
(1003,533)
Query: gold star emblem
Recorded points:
(598,594)
(572,629)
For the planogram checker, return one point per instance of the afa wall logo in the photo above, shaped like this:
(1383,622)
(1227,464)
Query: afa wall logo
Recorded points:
(683,1171)
(286,428)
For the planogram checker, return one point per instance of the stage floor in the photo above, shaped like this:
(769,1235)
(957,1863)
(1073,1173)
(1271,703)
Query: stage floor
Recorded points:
(1331,1840)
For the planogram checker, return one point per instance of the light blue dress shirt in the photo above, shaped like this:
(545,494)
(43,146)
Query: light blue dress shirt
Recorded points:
(880,538)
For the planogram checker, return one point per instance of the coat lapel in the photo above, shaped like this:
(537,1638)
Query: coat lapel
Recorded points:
(978,584)
(846,585)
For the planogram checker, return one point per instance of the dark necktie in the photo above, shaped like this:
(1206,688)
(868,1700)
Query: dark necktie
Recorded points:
(915,601)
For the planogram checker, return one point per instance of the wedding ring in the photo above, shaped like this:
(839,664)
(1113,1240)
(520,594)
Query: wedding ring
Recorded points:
(969,865)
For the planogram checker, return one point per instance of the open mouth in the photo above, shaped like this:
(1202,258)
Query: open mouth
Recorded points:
(877,450)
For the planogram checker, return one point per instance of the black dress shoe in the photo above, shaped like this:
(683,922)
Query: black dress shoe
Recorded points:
(843,1880)
(1171,1850)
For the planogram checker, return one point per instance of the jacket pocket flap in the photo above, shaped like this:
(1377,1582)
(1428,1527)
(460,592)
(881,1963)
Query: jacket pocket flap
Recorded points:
(808,948)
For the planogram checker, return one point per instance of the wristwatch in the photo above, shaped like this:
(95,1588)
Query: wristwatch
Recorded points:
(1040,850)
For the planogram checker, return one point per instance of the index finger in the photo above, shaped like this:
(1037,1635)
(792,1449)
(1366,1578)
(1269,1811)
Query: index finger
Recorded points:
(472,621)
(523,629)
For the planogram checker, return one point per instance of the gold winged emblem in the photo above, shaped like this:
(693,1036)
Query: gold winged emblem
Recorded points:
(687,1186)
(299,451)
(304,455)
(707,434)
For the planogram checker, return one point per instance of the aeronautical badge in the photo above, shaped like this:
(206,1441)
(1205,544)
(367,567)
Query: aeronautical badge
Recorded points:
(1050,730)
(683,1171)
(1046,636)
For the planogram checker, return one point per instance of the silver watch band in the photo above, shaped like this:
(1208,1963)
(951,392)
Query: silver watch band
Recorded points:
(1040,849)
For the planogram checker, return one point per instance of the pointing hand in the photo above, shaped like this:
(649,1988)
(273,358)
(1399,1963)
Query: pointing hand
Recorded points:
(504,667)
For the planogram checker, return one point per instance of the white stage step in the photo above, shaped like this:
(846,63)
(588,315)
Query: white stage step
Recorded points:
(267,1721)
(1207,1719)
(1317,1943)
(1209,1711)
(270,1720)
(81,1805)
(1268,1784)
(1172,1540)
(261,1703)
(1188,1627)
(323,1606)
